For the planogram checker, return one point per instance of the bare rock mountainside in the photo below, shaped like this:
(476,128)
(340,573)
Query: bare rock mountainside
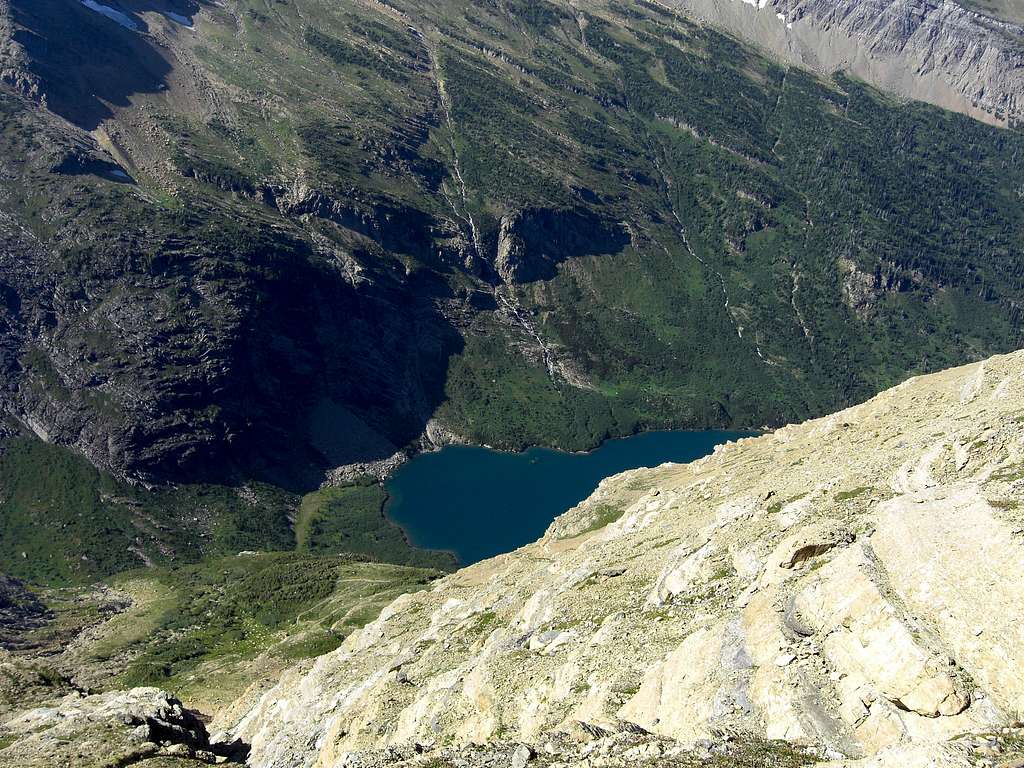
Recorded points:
(940,52)
(849,586)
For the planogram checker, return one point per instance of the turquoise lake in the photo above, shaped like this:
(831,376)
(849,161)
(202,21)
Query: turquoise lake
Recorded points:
(478,503)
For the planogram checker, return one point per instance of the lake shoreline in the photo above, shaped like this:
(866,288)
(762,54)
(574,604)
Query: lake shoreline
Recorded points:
(381,470)
(435,496)
(438,438)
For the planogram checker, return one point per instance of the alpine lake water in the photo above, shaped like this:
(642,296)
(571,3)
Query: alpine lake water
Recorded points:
(477,502)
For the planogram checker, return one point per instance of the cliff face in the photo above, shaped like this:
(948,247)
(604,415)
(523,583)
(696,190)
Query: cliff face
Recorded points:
(850,583)
(937,52)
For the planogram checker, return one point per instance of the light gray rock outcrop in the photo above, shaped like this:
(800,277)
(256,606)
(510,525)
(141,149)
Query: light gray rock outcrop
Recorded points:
(935,51)
(110,729)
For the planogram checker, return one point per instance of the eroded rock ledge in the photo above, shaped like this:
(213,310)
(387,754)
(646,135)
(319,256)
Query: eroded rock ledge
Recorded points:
(119,728)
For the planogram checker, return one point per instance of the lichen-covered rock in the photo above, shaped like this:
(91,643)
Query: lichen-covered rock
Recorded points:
(118,728)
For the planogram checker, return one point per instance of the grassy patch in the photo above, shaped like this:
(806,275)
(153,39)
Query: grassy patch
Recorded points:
(752,752)
(853,493)
(721,572)
(485,623)
(351,519)
(1004,503)
(776,506)
(217,617)
(309,645)
(1009,474)
(601,515)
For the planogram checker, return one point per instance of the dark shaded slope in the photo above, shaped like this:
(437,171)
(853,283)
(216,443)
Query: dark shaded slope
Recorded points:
(87,66)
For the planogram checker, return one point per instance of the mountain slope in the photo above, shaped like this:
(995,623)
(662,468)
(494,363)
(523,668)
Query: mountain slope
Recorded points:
(944,53)
(326,224)
(850,583)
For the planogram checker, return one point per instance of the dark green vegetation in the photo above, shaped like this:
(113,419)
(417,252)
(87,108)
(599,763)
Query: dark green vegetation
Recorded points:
(205,631)
(294,606)
(852,493)
(351,519)
(62,521)
(529,407)
(533,222)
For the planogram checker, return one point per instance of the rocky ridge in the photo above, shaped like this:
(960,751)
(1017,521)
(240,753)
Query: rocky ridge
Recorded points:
(113,729)
(849,585)
(937,52)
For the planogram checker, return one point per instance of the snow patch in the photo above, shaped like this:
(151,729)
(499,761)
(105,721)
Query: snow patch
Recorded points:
(185,21)
(113,14)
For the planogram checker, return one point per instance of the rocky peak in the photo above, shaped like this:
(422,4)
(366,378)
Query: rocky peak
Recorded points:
(117,728)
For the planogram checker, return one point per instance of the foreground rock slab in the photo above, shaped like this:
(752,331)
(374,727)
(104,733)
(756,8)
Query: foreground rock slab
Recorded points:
(138,726)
